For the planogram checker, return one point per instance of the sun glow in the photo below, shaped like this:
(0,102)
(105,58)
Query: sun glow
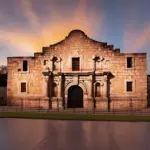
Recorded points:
(52,31)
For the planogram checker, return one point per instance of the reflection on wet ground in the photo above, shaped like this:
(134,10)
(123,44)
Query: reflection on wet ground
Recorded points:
(26,134)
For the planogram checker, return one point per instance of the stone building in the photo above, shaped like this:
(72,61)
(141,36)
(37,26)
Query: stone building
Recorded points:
(148,90)
(79,72)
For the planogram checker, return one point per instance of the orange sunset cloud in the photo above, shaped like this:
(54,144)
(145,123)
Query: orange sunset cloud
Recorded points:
(53,31)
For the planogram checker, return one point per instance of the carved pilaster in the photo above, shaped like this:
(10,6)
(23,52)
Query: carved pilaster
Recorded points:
(76,80)
(45,86)
(90,86)
(105,89)
(94,63)
(51,65)
(60,86)
(97,62)
(88,103)
(59,61)
(60,100)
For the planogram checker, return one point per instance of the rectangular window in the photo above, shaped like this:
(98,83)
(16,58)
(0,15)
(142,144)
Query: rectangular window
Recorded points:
(25,65)
(76,64)
(129,62)
(23,87)
(129,86)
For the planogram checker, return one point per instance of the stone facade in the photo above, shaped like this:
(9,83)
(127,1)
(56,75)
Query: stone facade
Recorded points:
(103,76)
(148,89)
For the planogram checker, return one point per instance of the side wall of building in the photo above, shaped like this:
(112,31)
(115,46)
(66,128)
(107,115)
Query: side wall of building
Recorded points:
(32,77)
(148,89)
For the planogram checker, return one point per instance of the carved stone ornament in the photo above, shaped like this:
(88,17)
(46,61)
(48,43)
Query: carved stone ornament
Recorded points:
(101,83)
(98,58)
(75,80)
(101,58)
(53,57)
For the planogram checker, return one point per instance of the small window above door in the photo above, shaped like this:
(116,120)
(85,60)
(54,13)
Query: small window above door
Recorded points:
(76,64)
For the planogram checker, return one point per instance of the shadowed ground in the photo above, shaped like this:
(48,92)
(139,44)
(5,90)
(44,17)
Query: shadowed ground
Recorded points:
(72,116)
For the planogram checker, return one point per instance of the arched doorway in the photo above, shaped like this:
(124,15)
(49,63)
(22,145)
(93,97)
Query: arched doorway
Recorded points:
(75,97)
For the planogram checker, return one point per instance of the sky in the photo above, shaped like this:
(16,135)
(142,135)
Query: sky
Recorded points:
(28,25)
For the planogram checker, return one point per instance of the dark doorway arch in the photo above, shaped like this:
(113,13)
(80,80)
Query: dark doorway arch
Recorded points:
(75,97)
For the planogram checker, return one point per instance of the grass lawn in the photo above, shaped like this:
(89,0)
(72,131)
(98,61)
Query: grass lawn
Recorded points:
(66,116)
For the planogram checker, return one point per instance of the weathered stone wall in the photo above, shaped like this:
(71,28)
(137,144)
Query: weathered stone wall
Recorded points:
(32,77)
(95,57)
(148,89)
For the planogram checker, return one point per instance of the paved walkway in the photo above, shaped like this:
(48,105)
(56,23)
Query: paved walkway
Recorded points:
(72,110)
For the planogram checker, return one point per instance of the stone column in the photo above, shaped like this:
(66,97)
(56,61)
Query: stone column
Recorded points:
(105,90)
(88,103)
(60,86)
(94,63)
(60,103)
(60,64)
(44,102)
(90,86)
(45,86)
